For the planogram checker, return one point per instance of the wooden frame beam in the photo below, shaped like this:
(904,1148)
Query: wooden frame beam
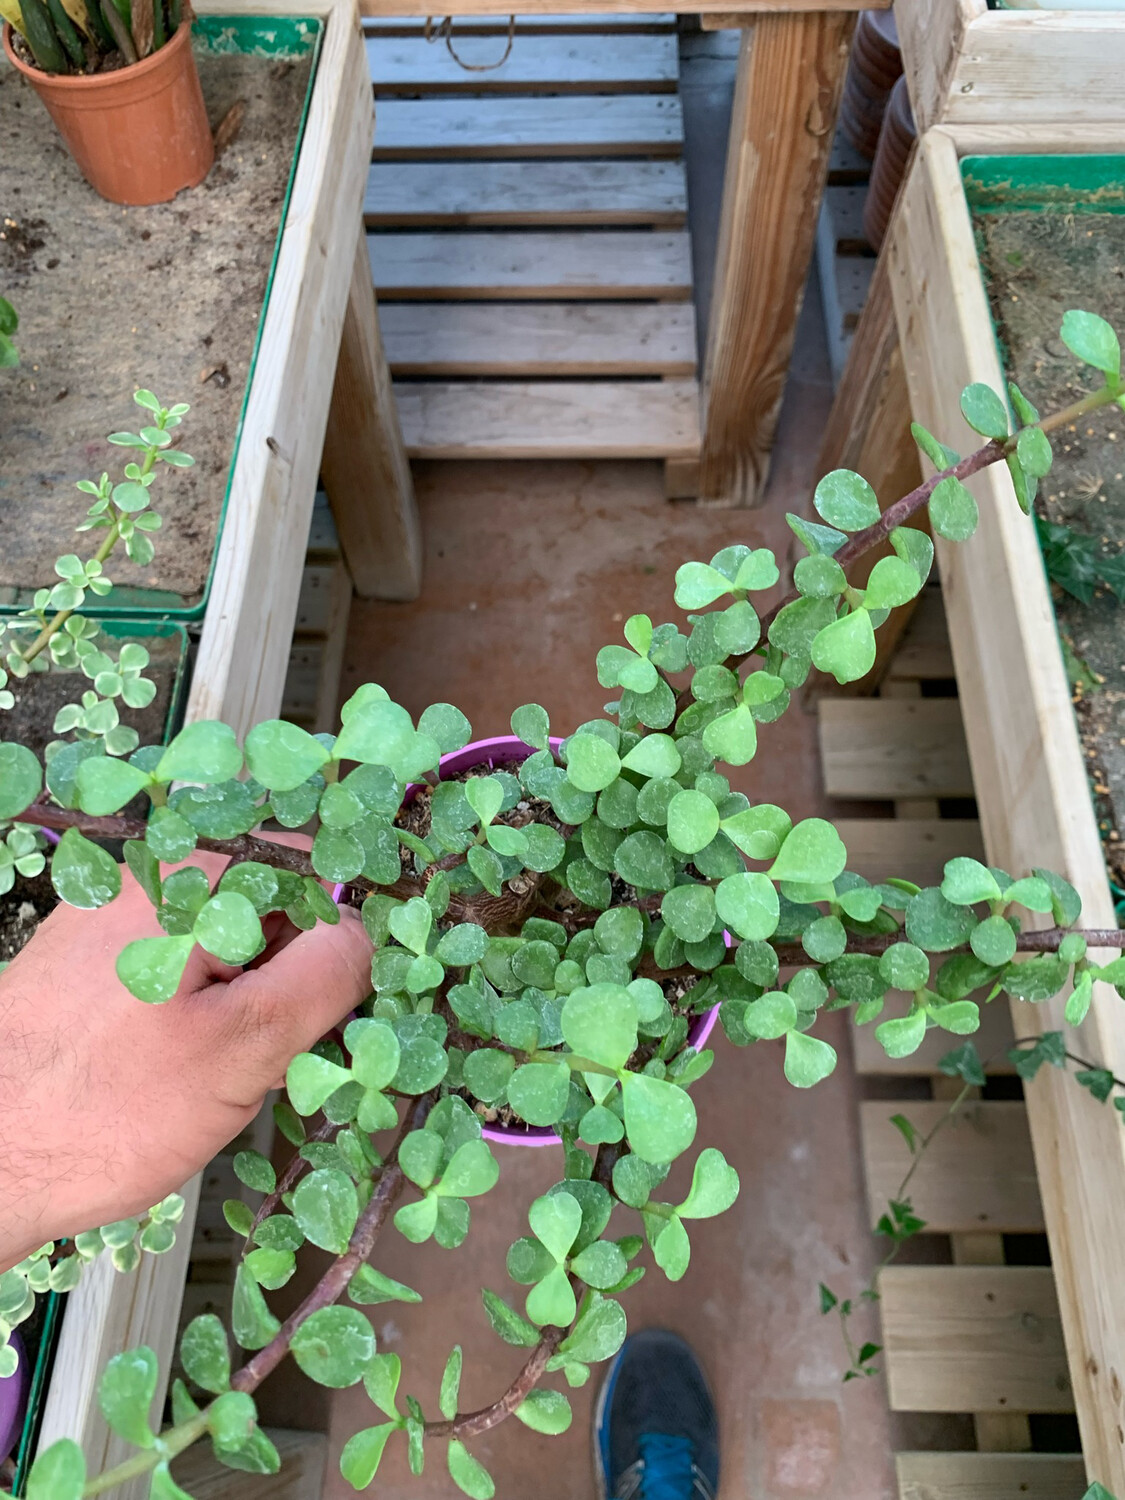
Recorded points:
(790,73)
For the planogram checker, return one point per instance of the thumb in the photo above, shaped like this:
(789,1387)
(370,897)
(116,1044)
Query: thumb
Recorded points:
(304,990)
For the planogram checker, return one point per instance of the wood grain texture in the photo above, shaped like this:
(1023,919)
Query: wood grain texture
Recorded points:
(977,1174)
(549,419)
(914,849)
(549,125)
(539,338)
(1030,778)
(869,431)
(244,645)
(364,464)
(923,653)
(526,193)
(547,24)
(570,64)
(989,1476)
(880,747)
(505,263)
(790,71)
(399,8)
(973,1338)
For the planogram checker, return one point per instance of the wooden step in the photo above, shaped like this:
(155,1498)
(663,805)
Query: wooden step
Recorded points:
(303,1459)
(549,64)
(894,748)
(978,1172)
(502,263)
(559,125)
(539,338)
(546,419)
(908,848)
(991,1041)
(973,1339)
(990,1476)
(525,193)
(525,25)
(923,654)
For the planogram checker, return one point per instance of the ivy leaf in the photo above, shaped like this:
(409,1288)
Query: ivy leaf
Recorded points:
(467,1473)
(984,411)
(282,756)
(846,648)
(1092,340)
(125,1393)
(205,751)
(714,1187)
(359,1461)
(333,1346)
(846,500)
(660,1117)
(83,874)
(807,1059)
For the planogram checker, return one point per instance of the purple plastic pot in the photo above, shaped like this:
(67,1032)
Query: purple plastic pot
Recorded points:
(13,1400)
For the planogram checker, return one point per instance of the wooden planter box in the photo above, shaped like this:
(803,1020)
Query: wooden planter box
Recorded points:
(969,65)
(1028,771)
(244,646)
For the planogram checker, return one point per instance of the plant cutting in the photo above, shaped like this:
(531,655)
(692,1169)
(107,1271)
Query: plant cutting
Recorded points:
(547,930)
(119,80)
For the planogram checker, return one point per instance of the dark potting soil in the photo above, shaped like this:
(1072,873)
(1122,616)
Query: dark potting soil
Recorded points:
(112,299)
(1037,266)
(39,697)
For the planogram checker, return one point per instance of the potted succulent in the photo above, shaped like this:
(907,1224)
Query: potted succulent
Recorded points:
(525,923)
(119,80)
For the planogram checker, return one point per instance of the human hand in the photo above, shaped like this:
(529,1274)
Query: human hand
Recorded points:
(108,1104)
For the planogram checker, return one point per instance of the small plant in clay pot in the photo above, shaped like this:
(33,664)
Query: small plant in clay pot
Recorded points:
(119,80)
(550,919)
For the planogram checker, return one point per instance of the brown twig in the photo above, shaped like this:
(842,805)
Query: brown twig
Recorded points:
(326,1131)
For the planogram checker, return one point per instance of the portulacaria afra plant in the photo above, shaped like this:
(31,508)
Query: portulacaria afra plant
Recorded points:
(555,922)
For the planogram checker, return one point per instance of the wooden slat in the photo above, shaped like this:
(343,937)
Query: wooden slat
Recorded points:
(1029,772)
(879,747)
(923,653)
(516,193)
(552,125)
(738,13)
(540,338)
(977,1173)
(973,1338)
(579,263)
(551,64)
(567,419)
(911,849)
(303,1459)
(525,24)
(991,1041)
(990,1476)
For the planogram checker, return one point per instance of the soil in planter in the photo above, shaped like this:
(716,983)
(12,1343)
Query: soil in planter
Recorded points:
(38,699)
(109,299)
(1037,265)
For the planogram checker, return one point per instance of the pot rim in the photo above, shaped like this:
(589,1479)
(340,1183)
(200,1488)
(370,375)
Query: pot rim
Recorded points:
(510,746)
(91,82)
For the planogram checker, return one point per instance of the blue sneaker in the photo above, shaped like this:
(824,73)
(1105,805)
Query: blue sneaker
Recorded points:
(656,1434)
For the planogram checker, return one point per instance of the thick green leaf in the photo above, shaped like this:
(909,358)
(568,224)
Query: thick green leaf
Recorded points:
(151,968)
(125,1393)
(531,724)
(846,648)
(748,905)
(654,755)
(447,725)
(369,1287)
(359,1461)
(807,1059)
(205,751)
(505,1321)
(204,1353)
(552,1300)
(282,756)
(1092,340)
(903,1035)
(538,1092)
(993,941)
(714,1186)
(310,1080)
(599,1332)
(660,1118)
(252,1323)
(771,1016)
(693,821)
(326,1207)
(84,874)
(984,411)
(333,1346)
(375,1054)
(671,1247)
(904,967)
(600,1023)
(953,511)
(104,784)
(555,1221)
(967,881)
(229,927)
(545,1411)
(698,585)
(813,853)
(472,1170)
(689,910)
(450,1384)
(732,737)
(936,924)
(467,1473)
(58,1473)
(892,582)
(591,763)
(846,500)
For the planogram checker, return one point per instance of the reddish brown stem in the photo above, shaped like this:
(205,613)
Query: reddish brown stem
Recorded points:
(1045,940)
(473,1423)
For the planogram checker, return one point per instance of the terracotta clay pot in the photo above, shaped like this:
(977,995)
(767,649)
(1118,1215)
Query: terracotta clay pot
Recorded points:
(138,135)
(896,141)
(873,68)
